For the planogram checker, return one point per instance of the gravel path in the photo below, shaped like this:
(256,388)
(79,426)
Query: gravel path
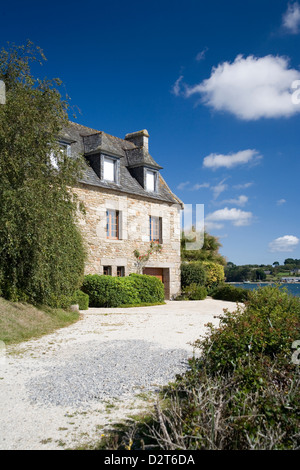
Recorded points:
(66,388)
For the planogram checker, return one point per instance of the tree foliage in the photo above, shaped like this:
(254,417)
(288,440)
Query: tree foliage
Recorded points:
(214,273)
(41,249)
(208,252)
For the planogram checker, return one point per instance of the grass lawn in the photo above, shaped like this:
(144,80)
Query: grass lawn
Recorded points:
(20,321)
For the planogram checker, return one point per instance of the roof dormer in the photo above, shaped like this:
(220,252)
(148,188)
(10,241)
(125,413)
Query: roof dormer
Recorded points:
(140,163)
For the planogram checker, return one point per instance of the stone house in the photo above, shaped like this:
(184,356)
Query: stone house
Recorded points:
(128,205)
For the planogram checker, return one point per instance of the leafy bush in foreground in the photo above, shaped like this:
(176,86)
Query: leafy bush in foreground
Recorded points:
(243,392)
(267,325)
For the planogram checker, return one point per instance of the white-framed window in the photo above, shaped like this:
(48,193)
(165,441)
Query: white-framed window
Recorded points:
(112,224)
(109,169)
(64,150)
(150,180)
(155,229)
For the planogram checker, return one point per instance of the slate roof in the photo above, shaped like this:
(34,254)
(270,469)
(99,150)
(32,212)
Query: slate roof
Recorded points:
(87,142)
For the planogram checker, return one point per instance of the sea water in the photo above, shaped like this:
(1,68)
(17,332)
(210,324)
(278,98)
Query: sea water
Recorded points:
(292,288)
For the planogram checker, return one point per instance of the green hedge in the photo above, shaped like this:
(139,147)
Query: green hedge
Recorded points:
(108,291)
(192,273)
(150,288)
(82,299)
(230,293)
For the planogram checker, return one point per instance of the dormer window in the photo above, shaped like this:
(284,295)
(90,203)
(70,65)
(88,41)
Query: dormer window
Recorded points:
(151,180)
(64,151)
(110,170)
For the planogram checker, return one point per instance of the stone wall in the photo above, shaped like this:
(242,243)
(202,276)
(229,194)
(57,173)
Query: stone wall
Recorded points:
(134,232)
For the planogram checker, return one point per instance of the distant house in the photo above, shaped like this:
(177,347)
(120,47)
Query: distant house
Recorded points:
(128,205)
(295,271)
(290,279)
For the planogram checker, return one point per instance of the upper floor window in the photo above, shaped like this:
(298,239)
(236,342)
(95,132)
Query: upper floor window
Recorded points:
(109,169)
(112,224)
(151,177)
(65,148)
(64,151)
(155,229)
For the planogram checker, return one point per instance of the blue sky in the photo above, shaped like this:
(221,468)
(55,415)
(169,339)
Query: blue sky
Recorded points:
(212,84)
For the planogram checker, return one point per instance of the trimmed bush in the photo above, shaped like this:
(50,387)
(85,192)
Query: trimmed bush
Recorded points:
(230,293)
(192,273)
(108,291)
(81,299)
(214,273)
(150,288)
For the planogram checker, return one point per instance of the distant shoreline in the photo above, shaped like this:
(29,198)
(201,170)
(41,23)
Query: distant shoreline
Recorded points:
(264,282)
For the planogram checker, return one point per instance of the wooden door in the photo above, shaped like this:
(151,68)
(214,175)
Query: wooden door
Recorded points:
(157,272)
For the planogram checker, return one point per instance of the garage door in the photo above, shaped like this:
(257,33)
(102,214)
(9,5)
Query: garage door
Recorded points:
(157,272)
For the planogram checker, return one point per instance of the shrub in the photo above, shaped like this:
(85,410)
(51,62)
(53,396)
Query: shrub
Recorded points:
(108,291)
(243,392)
(214,273)
(268,325)
(193,292)
(192,273)
(81,299)
(41,248)
(230,293)
(150,288)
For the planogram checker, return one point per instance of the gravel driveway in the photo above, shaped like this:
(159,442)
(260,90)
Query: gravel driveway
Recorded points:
(68,387)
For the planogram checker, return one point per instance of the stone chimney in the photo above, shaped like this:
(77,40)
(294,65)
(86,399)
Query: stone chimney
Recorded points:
(140,139)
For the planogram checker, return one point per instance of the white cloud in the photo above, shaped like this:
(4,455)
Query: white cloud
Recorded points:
(183,185)
(240,201)
(242,157)
(250,88)
(219,188)
(199,186)
(201,55)
(281,202)
(195,187)
(212,225)
(243,186)
(287,243)
(176,87)
(234,215)
(291,18)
